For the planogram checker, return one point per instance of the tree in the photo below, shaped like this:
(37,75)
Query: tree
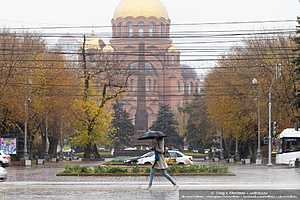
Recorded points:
(122,127)
(231,98)
(100,68)
(182,118)
(34,74)
(297,74)
(92,126)
(167,123)
(199,127)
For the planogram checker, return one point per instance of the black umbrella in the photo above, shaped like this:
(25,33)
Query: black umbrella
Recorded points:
(150,135)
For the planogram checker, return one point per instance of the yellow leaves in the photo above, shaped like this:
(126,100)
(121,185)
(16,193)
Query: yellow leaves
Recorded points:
(230,96)
(92,123)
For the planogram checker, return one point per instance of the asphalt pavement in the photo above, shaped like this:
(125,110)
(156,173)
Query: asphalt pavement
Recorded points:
(40,182)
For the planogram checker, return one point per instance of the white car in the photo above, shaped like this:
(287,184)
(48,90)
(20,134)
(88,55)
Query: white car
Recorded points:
(4,159)
(3,174)
(180,158)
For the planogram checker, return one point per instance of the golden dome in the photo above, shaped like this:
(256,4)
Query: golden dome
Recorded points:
(108,49)
(141,8)
(92,42)
(173,49)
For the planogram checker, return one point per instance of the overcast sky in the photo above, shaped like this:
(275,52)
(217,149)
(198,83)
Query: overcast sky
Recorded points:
(99,12)
(32,13)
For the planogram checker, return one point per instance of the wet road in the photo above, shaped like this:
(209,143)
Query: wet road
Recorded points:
(37,183)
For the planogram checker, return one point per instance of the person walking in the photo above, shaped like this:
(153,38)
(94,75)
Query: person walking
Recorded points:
(160,163)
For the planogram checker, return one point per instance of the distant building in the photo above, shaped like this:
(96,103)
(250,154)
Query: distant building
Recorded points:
(69,45)
(141,40)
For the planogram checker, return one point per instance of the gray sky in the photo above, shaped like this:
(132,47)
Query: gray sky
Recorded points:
(99,12)
(32,13)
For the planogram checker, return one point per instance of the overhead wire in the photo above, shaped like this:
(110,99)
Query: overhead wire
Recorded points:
(174,24)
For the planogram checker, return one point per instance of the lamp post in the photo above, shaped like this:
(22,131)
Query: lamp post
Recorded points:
(258,153)
(26,109)
(278,75)
(26,157)
(270,127)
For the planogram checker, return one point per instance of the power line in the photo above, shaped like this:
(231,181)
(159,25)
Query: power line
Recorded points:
(126,69)
(179,24)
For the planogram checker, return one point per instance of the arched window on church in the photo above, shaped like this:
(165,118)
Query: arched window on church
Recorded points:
(190,88)
(130,29)
(168,30)
(162,29)
(186,87)
(155,85)
(199,89)
(141,29)
(151,29)
(179,86)
(119,30)
(149,85)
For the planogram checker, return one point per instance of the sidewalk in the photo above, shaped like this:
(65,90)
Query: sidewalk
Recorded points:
(37,183)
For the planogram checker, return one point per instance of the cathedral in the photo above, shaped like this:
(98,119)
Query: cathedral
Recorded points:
(141,39)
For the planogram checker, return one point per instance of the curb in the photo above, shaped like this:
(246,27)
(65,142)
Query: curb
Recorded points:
(144,174)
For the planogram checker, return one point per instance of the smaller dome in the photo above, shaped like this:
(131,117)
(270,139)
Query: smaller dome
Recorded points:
(173,49)
(92,42)
(108,49)
(188,72)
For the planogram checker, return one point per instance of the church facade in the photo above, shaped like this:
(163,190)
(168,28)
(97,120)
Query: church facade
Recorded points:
(141,40)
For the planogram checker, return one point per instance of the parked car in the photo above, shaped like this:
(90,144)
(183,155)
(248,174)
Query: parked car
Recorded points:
(134,160)
(3,174)
(172,157)
(181,158)
(4,159)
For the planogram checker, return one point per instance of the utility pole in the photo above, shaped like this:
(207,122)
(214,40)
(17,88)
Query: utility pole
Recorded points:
(258,153)
(26,157)
(85,71)
(46,137)
(270,127)
(278,74)
(258,158)
(26,109)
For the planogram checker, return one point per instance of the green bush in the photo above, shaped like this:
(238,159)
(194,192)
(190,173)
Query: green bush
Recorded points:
(68,169)
(114,170)
(198,169)
(214,169)
(73,169)
(87,170)
(100,169)
(136,169)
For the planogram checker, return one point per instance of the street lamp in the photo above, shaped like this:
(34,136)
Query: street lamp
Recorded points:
(258,153)
(278,75)
(26,156)
(270,126)
(27,101)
